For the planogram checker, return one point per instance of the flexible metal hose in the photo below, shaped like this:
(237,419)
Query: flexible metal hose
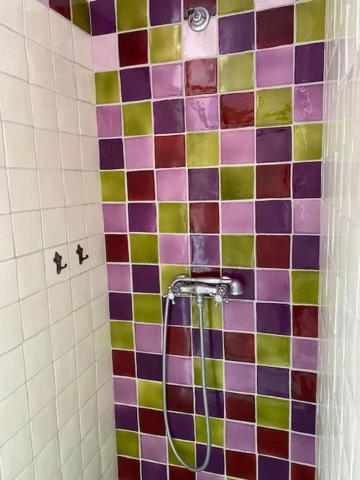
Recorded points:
(204,466)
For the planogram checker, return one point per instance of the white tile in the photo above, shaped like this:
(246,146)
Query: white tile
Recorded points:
(31,275)
(87,119)
(11,15)
(85,84)
(24,190)
(90,445)
(43,428)
(41,390)
(65,83)
(99,283)
(8,280)
(48,461)
(87,385)
(65,370)
(93,470)
(4,192)
(94,219)
(13,54)
(61,35)
(67,114)
(41,70)
(47,149)
(2,150)
(54,221)
(67,404)
(106,424)
(74,187)
(62,336)
(44,108)
(27,232)
(37,25)
(92,187)
(82,322)
(76,222)
(100,310)
(6,238)
(97,250)
(82,48)
(51,272)
(108,451)
(51,188)
(81,290)
(14,414)
(37,353)
(103,372)
(72,467)
(90,153)
(35,313)
(102,341)
(85,354)
(16,455)
(28,473)
(19,146)
(88,416)
(11,328)
(12,371)
(70,151)
(69,437)
(60,301)
(15,100)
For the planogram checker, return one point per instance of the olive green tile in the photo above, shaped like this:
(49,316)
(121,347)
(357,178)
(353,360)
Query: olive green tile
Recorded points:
(186,451)
(127,443)
(237,183)
(137,119)
(81,14)
(122,335)
(165,44)
(173,217)
(236,72)
(216,427)
(310,21)
(147,308)
(131,14)
(113,186)
(272,412)
(237,250)
(308,142)
(213,317)
(202,149)
(273,350)
(274,107)
(214,373)
(234,6)
(144,248)
(305,287)
(150,394)
(168,274)
(107,87)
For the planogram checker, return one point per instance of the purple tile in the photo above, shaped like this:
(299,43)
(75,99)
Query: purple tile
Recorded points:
(202,113)
(307,180)
(246,278)
(274,67)
(273,318)
(236,33)
(273,381)
(237,217)
(169,116)
(271,468)
(111,154)
(125,391)
(237,147)
(150,470)
(205,249)
(309,63)
(308,103)
(171,184)
(165,11)
(307,216)
(126,417)
(217,461)
(304,353)
(102,14)
(109,121)
(167,80)
(273,285)
(303,448)
(213,341)
(146,278)
(120,305)
(179,370)
(240,377)
(215,400)
(180,313)
(114,218)
(203,184)
(239,316)
(149,366)
(119,277)
(306,252)
(148,338)
(142,217)
(174,249)
(273,216)
(273,145)
(135,84)
(139,152)
(182,426)
(240,436)
(153,448)
(303,417)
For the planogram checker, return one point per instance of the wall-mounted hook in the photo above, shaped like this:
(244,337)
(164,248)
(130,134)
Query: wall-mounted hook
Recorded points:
(58,260)
(80,252)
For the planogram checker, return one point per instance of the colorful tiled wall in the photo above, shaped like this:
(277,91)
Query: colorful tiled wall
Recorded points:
(210,149)
(77,11)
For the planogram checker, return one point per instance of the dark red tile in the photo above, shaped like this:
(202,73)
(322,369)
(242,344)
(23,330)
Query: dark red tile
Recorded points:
(240,407)
(237,110)
(241,465)
(305,321)
(169,151)
(239,347)
(180,399)
(129,468)
(133,48)
(151,421)
(273,181)
(209,4)
(275,27)
(179,341)
(201,76)
(204,217)
(178,473)
(62,7)
(117,249)
(274,443)
(273,251)
(140,185)
(303,386)
(302,472)
(123,363)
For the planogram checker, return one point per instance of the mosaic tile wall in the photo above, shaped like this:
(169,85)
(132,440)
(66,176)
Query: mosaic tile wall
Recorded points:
(77,11)
(210,149)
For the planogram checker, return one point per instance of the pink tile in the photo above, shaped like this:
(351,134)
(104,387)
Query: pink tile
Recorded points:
(200,44)
(237,217)
(115,217)
(180,370)
(239,315)
(307,216)
(125,391)
(240,377)
(167,81)
(304,353)
(208,476)
(153,448)
(308,103)
(202,113)
(105,52)
(174,249)
(265,4)
(45,2)
(274,67)
(237,147)
(119,278)
(109,121)
(240,436)
(273,285)
(139,152)
(171,184)
(303,448)
(148,338)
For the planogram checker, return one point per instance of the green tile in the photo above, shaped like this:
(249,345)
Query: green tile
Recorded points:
(236,72)
(81,14)
(122,335)
(165,44)
(131,14)
(147,308)
(310,21)
(202,149)
(237,250)
(168,274)
(214,373)
(305,287)
(107,87)
(272,412)
(212,315)
(137,119)
(216,427)
(273,350)
(237,183)
(144,248)
(127,443)
(308,142)
(274,107)
(150,394)
(186,451)
(173,217)
(113,186)
(234,6)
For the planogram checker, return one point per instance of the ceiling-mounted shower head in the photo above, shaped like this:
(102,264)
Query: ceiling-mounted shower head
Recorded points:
(199,18)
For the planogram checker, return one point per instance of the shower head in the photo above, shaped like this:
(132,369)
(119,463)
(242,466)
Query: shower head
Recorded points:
(199,18)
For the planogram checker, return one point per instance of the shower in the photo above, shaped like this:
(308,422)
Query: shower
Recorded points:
(198,18)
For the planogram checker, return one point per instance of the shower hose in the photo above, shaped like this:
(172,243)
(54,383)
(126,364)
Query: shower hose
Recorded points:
(200,305)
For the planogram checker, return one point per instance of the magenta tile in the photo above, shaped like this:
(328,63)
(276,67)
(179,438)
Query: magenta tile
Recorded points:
(142,217)
(237,217)
(307,216)
(308,103)
(119,278)
(148,338)
(167,80)
(169,116)
(109,121)
(205,249)
(180,370)
(202,113)
(237,147)
(153,448)
(114,218)
(125,391)
(203,184)
(240,436)
(139,152)
(236,33)
(273,285)
(105,52)
(239,316)
(135,84)
(240,377)
(303,448)
(208,476)
(171,184)
(200,44)
(146,278)
(273,145)
(274,67)
(304,353)
(174,249)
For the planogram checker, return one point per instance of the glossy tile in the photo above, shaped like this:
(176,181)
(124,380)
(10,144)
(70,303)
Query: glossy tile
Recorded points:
(202,113)
(165,44)
(165,12)
(275,27)
(236,72)
(167,80)
(236,33)
(310,21)
(137,119)
(237,110)
(169,116)
(202,149)
(201,77)
(237,147)
(133,48)
(131,14)
(274,67)
(135,84)
(273,107)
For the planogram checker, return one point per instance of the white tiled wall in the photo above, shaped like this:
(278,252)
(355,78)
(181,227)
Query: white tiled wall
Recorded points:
(56,399)
(339,389)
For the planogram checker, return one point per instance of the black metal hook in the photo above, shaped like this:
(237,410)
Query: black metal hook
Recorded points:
(58,260)
(80,252)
